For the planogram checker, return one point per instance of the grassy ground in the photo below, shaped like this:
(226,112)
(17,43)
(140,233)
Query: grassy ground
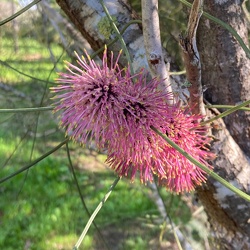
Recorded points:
(41,208)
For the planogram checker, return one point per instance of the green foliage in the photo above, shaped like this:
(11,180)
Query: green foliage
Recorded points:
(37,63)
(105,27)
(136,244)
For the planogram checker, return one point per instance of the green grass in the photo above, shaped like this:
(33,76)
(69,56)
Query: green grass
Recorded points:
(32,58)
(44,204)
(41,209)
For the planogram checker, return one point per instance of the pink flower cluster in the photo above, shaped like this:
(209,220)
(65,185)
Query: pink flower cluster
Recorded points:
(116,109)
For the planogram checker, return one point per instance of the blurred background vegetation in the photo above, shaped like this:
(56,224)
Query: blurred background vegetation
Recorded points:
(41,208)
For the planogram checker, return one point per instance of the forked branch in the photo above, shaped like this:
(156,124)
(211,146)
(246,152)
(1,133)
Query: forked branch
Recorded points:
(192,59)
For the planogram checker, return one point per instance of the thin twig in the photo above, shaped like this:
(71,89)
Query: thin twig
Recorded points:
(158,199)
(202,166)
(24,74)
(152,42)
(118,33)
(21,110)
(34,162)
(19,12)
(217,106)
(90,221)
(227,112)
(81,196)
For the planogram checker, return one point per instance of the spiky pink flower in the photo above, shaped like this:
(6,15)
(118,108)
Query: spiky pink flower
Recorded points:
(89,99)
(145,152)
(185,130)
(117,109)
(134,148)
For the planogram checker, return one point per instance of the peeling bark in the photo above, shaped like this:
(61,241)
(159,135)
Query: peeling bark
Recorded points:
(225,71)
(192,60)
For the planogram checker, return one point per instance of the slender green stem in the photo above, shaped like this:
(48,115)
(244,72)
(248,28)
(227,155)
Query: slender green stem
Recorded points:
(77,245)
(177,240)
(123,44)
(177,73)
(168,216)
(202,166)
(20,110)
(24,74)
(34,162)
(81,195)
(225,25)
(235,108)
(225,107)
(19,12)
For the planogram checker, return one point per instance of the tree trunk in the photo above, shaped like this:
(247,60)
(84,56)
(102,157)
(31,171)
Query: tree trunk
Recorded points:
(62,26)
(225,70)
(225,66)
(89,19)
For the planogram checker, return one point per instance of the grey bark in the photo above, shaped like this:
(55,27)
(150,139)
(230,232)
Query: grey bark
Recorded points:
(225,66)
(228,213)
(87,15)
(226,71)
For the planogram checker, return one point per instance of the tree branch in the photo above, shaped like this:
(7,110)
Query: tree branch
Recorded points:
(87,17)
(192,59)
(152,42)
(61,24)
